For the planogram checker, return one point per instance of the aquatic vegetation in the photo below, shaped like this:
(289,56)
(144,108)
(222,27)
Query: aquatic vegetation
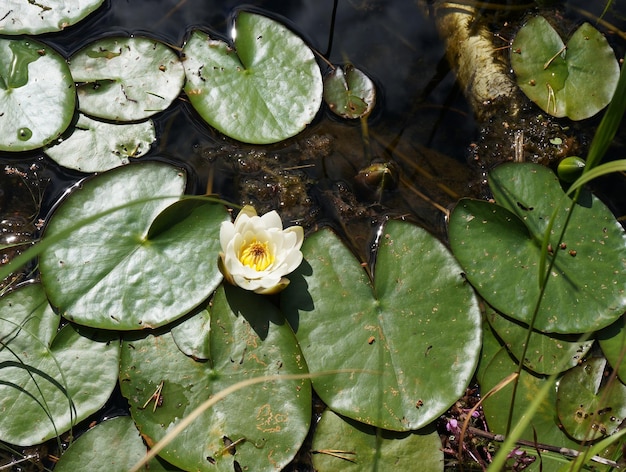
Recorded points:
(162,293)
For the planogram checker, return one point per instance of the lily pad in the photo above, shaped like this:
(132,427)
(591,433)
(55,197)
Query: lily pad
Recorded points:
(43,16)
(141,258)
(49,380)
(37,94)
(95,447)
(126,79)
(495,365)
(499,247)
(577,80)
(257,428)
(545,352)
(396,352)
(349,93)
(96,146)
(589,407)
(343,444)
(264,88)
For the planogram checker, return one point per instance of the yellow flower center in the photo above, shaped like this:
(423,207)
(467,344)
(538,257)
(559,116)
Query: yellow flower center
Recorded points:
(256,255)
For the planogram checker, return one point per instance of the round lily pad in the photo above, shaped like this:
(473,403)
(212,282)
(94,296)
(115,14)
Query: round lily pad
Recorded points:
(49,380)
(37,94)
(126,79)
(397,352)
(499,247)
(43,16)
(94,448)
(96,146)
(349,93)
(192,335)
(264,88)
(346,445)
(257,428)
(577,80)
(590,408)
(141,258)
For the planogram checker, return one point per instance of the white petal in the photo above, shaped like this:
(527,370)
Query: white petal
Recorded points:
(272,220)
(299,233)
(227,233)
(291,262)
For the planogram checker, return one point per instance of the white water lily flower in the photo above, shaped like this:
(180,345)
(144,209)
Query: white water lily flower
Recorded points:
(257,252)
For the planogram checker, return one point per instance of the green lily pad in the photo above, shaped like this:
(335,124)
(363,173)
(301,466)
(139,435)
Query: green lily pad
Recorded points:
(349,93)
(405,346)
(96,146)
(257,428)
(265,89)
(576,81)
(37,94)
(95,447)
(148,261)
(126,79)
(343,444)
(588,408)
(43,16)
(495,365)
(49,380)
(545,352)
(499,247)
(612,340)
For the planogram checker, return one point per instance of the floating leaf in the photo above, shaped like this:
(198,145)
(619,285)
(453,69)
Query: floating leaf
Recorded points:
(259,427)
(343,444)
(43,16)
(349,93)
(95,146)
(499,247)
(37,94)
(49,381)
(545,352)
(265,89)
(587,408)
(577,80)
(140,265)
(95,447)
(126,79)
(407,345)
(495,365)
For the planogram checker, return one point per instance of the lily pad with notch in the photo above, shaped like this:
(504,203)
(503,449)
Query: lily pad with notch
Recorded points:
(402,347)
(127,251)
(257,427)
(126,79)
(264,88)
(576,80)
(499,246)
(37,94)
(349,92)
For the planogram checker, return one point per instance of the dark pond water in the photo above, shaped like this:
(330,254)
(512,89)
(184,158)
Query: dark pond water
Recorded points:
(422,124)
